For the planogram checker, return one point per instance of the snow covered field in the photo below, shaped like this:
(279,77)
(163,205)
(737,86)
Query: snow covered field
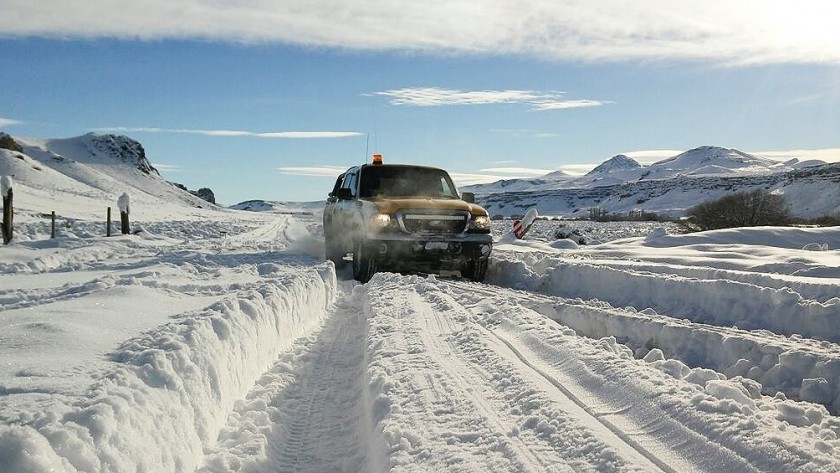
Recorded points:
(182,348)
(219,340)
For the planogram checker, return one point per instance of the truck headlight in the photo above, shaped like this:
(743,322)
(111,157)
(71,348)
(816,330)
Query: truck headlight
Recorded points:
(481,222)
(381,220)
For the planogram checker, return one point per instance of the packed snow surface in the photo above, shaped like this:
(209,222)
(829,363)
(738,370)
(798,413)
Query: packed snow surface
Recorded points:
(221,341)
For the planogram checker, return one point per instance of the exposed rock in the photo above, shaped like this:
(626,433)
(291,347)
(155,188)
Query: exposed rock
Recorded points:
(204,193)
(121,147)
(7,142)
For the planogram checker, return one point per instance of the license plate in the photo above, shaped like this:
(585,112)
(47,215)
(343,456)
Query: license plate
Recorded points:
(436,245)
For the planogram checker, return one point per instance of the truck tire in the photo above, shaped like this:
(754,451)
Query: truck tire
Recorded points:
(475,269)
(333,250)
(364,262)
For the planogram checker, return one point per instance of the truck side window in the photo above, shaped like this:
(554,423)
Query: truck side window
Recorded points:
(350,182)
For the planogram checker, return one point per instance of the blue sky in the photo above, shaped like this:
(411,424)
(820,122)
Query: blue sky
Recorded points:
(273,100)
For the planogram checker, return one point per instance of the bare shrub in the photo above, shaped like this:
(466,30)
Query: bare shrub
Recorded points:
(745,209)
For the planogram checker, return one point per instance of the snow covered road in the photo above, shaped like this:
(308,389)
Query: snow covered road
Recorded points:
(185,348)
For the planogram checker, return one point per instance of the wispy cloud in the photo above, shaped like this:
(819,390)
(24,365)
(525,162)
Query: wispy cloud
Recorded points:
(727,31)
(167,167)
(578,169)
(9,122)
(237,133)
(314,171)
(650,156)
(519,171)
(466,179)
(436,97)
(829,155)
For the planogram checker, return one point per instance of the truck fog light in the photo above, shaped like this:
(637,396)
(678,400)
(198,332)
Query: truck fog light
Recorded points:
(485,250)
(383,248)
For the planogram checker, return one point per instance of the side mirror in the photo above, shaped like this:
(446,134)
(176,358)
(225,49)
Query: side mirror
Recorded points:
(344,194)
(468,197)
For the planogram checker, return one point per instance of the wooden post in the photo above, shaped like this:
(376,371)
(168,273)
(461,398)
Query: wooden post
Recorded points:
(108,227)
(124,225)
(124,202)
(8,212)
(52,228)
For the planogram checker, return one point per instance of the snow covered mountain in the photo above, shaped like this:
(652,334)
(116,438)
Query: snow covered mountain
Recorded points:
(616,163)
(670,186)
(94,168)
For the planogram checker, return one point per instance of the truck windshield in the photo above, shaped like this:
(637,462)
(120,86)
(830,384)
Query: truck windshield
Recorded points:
(399,181)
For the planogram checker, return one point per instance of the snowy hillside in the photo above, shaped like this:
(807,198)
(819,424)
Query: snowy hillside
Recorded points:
(79,177)
(217,340)
(670,186)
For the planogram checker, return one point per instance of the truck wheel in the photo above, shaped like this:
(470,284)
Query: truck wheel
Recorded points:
(364,263)
(334,251)
(475,269)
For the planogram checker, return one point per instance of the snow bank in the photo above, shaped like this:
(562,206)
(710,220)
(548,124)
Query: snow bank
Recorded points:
(753,322)
(707,301)
(170,390)
(694,279)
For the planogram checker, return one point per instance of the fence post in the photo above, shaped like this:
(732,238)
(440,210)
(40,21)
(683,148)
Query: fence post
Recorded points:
(8,211)
(52,228)
(108,227)
(123,203)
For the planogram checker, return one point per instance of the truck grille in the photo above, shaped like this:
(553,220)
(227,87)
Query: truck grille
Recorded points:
(415,221)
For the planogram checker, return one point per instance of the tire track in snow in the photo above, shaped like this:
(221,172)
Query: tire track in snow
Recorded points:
(436,334)
(622,391)
(474,406)
(626,447)
(308,413)
(325,427)
(771,359)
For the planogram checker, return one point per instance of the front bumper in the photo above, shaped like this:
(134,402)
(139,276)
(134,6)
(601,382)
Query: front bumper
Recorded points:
(428,252)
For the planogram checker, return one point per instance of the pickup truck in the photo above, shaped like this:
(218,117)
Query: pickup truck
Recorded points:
(405,218)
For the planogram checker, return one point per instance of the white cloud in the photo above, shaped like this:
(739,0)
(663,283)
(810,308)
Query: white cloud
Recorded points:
(435,97)
(830,155)
(726,31)
(464,179)
(650,156)
(167,167)
(314,171)
(273,134)
(578,169)
(9,122)
(519,170)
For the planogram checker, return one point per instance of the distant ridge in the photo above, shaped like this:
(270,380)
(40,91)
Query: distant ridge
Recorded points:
(670,186)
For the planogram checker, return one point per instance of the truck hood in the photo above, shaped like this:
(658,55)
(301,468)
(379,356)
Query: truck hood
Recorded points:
(392,205)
